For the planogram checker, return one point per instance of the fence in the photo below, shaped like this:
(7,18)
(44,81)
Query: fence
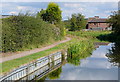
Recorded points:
(43,71)
(30,68)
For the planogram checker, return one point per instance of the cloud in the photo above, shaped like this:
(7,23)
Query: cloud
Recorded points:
(15,8)
(107,11)
(13,12)
(72,5)
(103,9)
(60,0)
(21,7)
(84,72)
(89,9)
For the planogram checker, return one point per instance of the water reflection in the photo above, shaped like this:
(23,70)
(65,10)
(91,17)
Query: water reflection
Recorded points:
(55,74)
(75,59)
(114,54)
(95,67)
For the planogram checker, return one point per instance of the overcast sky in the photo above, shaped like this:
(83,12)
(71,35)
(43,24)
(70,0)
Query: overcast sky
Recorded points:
(89,9)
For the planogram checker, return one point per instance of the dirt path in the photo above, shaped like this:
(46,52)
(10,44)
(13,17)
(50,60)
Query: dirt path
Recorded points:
(25,53)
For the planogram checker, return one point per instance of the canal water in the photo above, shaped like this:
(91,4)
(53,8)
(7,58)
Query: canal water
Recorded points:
(95,67)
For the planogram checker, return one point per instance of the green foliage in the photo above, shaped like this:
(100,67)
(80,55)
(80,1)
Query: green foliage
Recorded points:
(73,24)
(112,37)
(67,24)
(91,35)
(79,50)
(55,74)
(61,26)
(52,14)
(115,22)
(77,22)
(42,14)
(114,54)
(12,64)
(23,31)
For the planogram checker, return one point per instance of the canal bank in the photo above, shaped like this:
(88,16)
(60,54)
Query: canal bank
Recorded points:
(93,67)
(12,64)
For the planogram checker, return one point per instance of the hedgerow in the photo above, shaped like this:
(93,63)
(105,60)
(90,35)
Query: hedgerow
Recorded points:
(23,31)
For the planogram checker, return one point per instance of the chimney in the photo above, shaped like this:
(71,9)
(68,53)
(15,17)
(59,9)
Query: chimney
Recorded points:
(97,17)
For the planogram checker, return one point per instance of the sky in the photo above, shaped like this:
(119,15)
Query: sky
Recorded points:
(88,9)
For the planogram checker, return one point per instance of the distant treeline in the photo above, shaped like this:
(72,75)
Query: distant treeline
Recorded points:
(24,31)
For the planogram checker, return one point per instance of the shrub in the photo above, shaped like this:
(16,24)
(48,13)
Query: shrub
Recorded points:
(23,31)
(61,26)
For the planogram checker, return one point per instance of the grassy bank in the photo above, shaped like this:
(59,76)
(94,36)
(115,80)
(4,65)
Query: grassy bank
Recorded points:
(90,35)
(8,65)
(77,37)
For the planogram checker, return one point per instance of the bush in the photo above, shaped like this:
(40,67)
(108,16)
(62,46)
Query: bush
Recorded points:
(61,26)
(23,31)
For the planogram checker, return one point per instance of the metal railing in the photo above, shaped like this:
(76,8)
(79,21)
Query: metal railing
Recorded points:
(26,70)
(43,71)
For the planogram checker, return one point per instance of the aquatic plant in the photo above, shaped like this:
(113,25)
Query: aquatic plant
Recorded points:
(79,50)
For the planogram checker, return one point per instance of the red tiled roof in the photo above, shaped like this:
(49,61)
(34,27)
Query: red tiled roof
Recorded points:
(98,20)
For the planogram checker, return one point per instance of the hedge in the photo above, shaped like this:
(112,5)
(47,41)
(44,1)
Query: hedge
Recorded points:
(23,31)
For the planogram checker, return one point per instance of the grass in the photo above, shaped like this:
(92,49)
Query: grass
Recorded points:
(91,35)
(76,37)
(12,64)
(79,50)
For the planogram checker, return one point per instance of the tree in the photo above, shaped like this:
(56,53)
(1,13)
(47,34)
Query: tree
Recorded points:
(115,22)
(42,14)
(52,14)
(81,22)
(114,54)
(73,25)
(77,22)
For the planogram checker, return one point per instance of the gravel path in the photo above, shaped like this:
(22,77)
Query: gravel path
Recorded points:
(25,53)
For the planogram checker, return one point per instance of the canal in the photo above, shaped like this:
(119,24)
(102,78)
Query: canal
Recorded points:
(100,64)
(96,66)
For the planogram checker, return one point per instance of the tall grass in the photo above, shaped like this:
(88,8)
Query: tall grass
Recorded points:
(79,50)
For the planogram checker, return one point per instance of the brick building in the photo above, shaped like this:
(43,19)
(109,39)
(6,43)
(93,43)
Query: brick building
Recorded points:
(96,23)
